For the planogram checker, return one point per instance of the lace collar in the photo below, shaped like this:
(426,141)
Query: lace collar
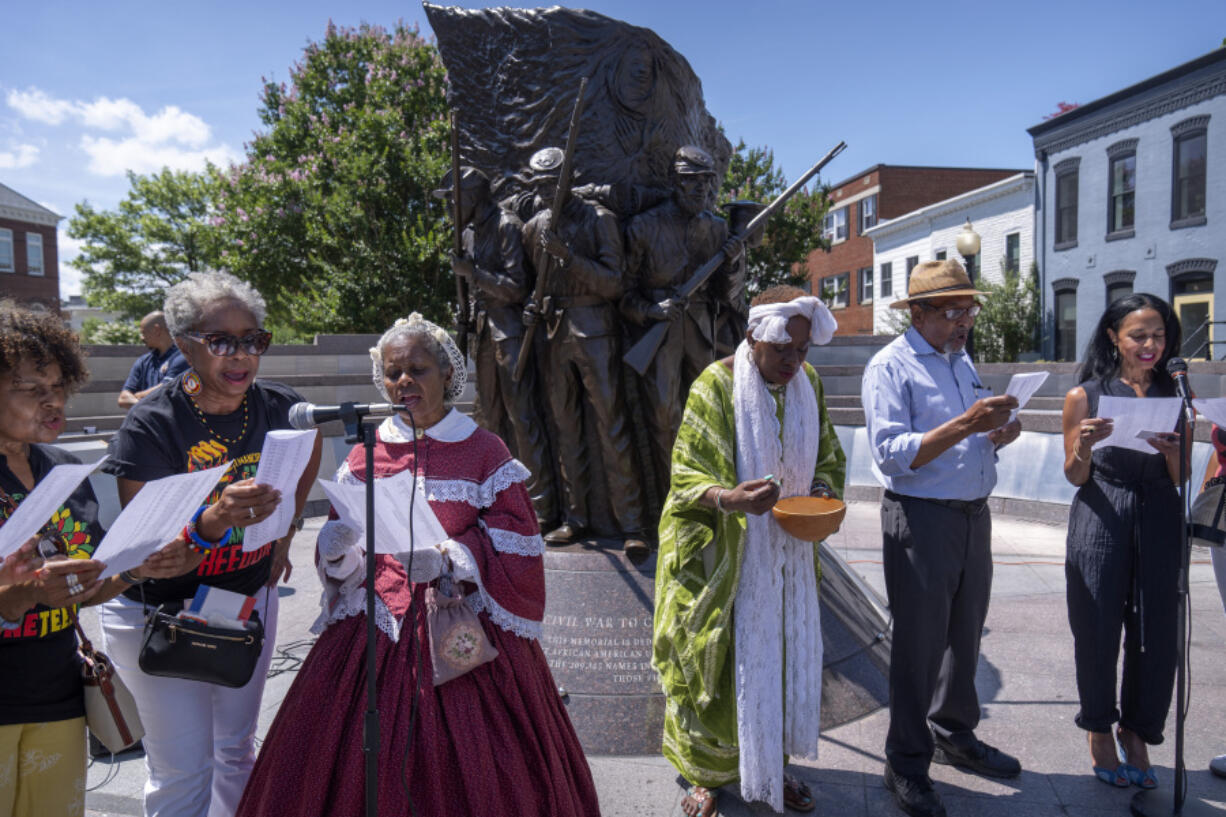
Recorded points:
(453,428)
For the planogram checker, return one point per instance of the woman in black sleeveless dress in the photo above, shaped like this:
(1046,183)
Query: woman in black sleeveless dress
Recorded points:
(1122,555)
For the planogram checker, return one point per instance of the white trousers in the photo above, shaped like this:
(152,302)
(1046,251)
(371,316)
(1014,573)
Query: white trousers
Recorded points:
(199,738)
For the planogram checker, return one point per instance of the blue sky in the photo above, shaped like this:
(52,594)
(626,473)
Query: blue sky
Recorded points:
(89,89)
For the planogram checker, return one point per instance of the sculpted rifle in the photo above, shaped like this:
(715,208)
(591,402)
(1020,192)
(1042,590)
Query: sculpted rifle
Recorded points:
(642,353)
(461,287)
(555,214)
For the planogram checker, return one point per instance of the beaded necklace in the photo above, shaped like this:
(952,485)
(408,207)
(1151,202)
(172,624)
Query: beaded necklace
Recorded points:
(242,432)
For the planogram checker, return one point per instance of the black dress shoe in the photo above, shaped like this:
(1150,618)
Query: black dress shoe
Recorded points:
(914,794)
(979,758)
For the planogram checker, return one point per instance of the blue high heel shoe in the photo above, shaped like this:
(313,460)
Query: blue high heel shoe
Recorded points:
(1142,779)
(1116,777)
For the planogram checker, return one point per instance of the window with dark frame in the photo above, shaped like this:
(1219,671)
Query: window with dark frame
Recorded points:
(1066,324)
(868,213)
(34,254)
(1117,290)
(1013,252)
(1121,202)
(1066,208)
(834,290)
(912,263)
(887,280)
(834,225)
(1188,184)
(941,255)
(6,250)
(866,285)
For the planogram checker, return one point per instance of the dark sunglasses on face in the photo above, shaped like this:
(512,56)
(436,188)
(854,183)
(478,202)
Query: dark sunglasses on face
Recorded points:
(223,344)
(954,314)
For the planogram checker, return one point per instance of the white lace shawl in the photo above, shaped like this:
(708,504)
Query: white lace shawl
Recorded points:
(777,620)
(342,563)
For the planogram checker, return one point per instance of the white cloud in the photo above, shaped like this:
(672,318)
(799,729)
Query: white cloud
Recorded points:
(18,157)
(68,248)
(144,143)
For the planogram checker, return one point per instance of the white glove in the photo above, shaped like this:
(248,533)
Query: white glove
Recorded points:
(427,564)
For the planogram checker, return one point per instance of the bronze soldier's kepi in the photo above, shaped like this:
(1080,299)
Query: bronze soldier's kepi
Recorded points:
(546,161)
(937,279)
(470,178)
(691,160)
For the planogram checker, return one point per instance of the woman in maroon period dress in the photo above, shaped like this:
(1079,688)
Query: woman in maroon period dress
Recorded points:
(495,740)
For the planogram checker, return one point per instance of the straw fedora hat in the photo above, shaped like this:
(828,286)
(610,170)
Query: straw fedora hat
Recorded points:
(937,279)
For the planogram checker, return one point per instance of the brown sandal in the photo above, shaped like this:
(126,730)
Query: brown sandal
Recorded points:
(797,795)
(699,801)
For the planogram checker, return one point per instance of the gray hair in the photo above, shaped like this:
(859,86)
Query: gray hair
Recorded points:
(187,300)
(437,341)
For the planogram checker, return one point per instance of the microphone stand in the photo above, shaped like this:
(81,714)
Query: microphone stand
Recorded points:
(1153,802)
(358,431)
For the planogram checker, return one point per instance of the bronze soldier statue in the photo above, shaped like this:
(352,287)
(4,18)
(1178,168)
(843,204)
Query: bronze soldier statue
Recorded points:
(664,245)
(582,260)
(493,265)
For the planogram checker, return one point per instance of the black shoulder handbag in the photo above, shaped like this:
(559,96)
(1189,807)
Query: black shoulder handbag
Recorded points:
(178,648)
(1208,520)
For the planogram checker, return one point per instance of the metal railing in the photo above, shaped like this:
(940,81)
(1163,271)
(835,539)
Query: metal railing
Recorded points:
(1197,345)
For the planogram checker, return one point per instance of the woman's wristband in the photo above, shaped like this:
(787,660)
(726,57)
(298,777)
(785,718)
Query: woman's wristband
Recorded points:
(719,500)
(131,578)
(1076,455)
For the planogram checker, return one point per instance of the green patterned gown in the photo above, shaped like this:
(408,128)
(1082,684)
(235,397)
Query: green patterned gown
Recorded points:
(697,573)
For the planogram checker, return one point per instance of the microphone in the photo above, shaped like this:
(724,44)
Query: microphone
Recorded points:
(1177,368)
(305,416)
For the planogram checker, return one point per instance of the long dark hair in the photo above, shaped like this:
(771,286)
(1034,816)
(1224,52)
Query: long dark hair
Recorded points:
(1100,361)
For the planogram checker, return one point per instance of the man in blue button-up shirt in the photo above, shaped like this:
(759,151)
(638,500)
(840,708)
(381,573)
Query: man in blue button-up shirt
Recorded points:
(934,431)
(160,365)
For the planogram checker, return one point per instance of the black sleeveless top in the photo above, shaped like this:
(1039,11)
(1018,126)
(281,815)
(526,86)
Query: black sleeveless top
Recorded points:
(1123,465)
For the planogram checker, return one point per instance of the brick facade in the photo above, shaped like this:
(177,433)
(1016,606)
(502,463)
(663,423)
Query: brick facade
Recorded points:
(19,284)
(895,190)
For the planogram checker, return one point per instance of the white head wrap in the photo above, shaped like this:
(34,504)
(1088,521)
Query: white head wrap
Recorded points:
(415,324)
(769,322)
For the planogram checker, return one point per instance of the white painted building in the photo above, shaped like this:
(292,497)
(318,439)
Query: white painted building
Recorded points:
(1002,213)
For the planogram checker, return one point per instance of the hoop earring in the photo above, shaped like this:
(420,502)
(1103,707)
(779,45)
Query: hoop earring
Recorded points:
(1115,354)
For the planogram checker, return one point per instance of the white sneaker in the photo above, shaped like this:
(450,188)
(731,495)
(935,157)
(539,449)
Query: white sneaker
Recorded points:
(1218,765)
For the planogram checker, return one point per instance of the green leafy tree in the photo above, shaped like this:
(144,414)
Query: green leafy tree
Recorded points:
(98,331)
(792,233)
(158,234)
(331,214)
(1008,324)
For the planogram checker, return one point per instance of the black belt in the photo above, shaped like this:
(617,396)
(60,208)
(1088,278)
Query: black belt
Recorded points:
(970,507)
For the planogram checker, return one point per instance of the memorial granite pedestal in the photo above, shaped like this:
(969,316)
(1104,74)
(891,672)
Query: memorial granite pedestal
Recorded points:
(597,639)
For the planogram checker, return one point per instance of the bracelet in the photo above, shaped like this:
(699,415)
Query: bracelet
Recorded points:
(130,578)
(719,500)
(1077,456)
(197,542)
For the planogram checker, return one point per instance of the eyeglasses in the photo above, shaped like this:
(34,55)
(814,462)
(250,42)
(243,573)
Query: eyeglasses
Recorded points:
(954,314)
(223,344)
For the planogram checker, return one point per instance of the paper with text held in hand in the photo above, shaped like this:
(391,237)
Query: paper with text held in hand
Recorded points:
(392,495)
(282,460)
(1213,408)
(154,518)
(1131,415)
(1023,386)
(38,506)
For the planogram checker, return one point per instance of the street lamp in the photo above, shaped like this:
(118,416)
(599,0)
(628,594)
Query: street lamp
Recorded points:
(968,248)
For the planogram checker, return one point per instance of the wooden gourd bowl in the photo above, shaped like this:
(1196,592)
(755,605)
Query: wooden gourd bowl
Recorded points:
(811,518)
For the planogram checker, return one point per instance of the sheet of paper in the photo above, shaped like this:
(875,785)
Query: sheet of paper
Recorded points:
(1023,386)
(1132,416)
(1214,408)
(392,497)
(154,518)
(282,460)
(41,503)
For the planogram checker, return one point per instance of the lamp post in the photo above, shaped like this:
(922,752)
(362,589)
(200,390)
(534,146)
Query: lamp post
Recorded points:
(968,248)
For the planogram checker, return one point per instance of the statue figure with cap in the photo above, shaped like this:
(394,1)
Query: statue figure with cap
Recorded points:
(582,261)
(664,245)
(493,264)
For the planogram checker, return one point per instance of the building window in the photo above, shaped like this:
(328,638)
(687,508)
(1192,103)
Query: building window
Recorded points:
(868,213)
(1066,207)
(834,227)
(834,290)
(866,285)
(1013,252)
(1122,196)
(1188,172)
(912,263)
(34,253)
(1066,319)
(6,250)
(941,254)
(887,280)
(1119,285)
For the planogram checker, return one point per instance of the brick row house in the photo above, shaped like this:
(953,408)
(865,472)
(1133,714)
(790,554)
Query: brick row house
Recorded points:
(29,258)
(882,192)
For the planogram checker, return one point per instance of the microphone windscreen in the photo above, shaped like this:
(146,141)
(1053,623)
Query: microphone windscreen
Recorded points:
(300,416)
(1176,365)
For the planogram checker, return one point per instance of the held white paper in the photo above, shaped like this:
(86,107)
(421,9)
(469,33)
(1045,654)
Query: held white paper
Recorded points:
(1132,416)
(48,495)
(282,460)
(154,518)
(1023,386)
(1213,408)
(392,496)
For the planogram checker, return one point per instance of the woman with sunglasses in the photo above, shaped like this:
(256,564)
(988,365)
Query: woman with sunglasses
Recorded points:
(199,741)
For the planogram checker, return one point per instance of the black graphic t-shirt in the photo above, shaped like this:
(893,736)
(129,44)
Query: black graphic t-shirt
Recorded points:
(162,435)
(40,675)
